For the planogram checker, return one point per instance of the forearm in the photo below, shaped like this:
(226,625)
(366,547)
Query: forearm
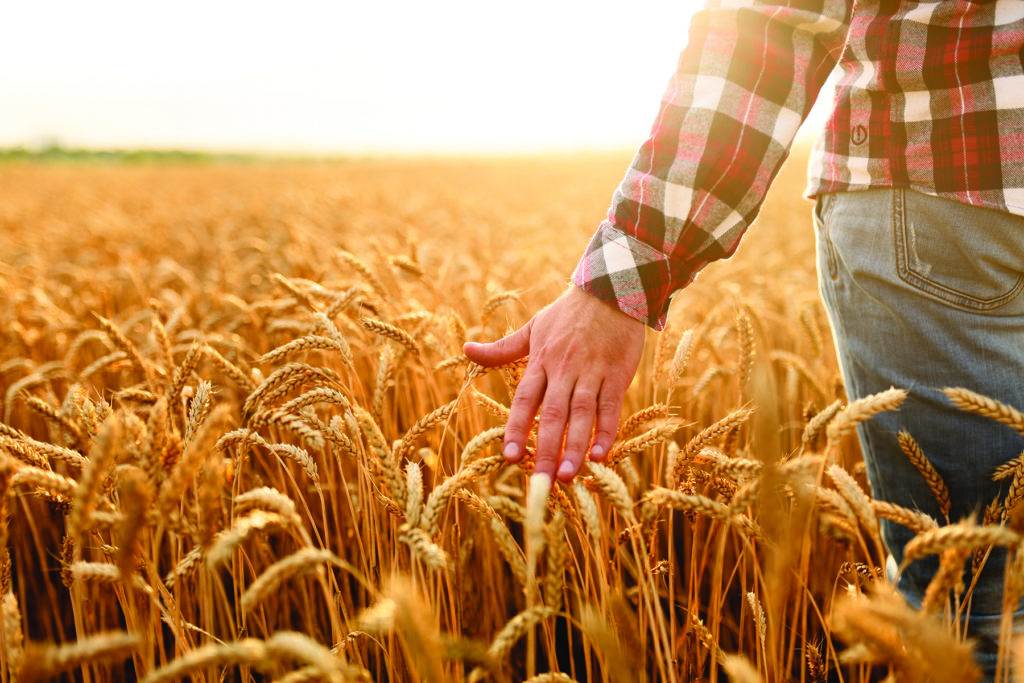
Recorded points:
(744,83)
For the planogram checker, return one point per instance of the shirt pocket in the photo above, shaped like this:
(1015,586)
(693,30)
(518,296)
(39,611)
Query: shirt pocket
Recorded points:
(968,257)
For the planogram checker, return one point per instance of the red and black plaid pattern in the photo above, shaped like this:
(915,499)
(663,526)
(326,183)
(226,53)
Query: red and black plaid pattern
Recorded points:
(931,97)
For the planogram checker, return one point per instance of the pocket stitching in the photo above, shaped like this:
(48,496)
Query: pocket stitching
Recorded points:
(945,293)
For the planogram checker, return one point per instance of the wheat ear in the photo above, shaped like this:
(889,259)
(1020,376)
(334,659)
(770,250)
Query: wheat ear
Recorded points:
(847,419)
(42,662)
(298,563)
(979,404)
(966,535)
(917,458)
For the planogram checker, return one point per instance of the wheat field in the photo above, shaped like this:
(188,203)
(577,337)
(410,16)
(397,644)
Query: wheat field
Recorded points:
(239,441)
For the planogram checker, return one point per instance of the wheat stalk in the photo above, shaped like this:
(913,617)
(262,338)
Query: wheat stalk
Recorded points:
(917,458)
(302,561)
(56,486)
(424,548)
(914,520)
(261,655)
(41,662)
(431,419)
(745,335)
(847,419)
(232,371)
(965,535)
(268,499)
(859,502)
(588,512)
(614,489)
(360,266)
(87,493)
(681,358)
(638,444)
(704,438)
(135,493)
(516,628)
(392,332)
(442,493)
(551,677)
(122,342)
(979,404)
(555,557)
(479,442)
(819,422)
(303,297)
(13,637)
(226,541)
(947,578)
(283,380)
(198,410)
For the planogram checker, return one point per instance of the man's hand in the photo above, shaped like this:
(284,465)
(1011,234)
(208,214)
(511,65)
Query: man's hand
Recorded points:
(583,355)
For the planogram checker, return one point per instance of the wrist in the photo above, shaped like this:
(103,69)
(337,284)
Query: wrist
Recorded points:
(605,311)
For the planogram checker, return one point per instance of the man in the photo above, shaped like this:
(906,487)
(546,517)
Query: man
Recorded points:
(919,188)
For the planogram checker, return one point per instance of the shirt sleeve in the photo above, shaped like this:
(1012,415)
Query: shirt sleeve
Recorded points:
(745,81)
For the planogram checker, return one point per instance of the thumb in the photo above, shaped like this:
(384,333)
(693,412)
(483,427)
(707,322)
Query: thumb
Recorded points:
(505,350)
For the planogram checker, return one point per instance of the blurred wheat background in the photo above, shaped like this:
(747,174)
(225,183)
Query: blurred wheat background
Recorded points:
(239,442)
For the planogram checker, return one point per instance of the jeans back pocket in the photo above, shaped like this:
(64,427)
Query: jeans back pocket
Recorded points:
(966,256)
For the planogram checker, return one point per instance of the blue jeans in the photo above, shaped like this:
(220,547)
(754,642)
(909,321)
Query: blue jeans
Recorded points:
(924,293)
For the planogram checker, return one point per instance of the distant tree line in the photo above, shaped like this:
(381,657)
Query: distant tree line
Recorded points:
(59,153)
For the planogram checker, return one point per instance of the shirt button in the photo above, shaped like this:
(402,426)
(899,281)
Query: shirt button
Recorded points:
(858,134)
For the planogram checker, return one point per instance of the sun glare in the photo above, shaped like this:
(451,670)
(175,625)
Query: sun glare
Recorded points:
(455,75)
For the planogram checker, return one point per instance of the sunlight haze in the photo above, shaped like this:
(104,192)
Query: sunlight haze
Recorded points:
(446,76)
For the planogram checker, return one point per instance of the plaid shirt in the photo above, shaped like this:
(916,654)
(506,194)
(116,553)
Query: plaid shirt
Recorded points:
(931,97)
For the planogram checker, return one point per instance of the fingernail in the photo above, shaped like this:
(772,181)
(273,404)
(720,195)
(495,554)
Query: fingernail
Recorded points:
(566,469)
(597,451)
(511,450)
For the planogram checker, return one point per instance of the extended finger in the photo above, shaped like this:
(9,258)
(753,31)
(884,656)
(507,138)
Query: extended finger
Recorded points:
(582,410)
(609,406)
(553,414)
(525,402)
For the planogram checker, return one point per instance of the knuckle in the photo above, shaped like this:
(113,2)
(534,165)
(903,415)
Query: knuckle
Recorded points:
(582,409)
(522,398)
(584,397)
(525,391)
(608,407)
(555,368)
(552,414)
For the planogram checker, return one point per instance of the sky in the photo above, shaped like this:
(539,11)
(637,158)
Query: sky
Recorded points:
(327,77)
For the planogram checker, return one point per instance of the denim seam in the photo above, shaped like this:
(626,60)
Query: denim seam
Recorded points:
(828,201)
(852,387)
(949,295)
